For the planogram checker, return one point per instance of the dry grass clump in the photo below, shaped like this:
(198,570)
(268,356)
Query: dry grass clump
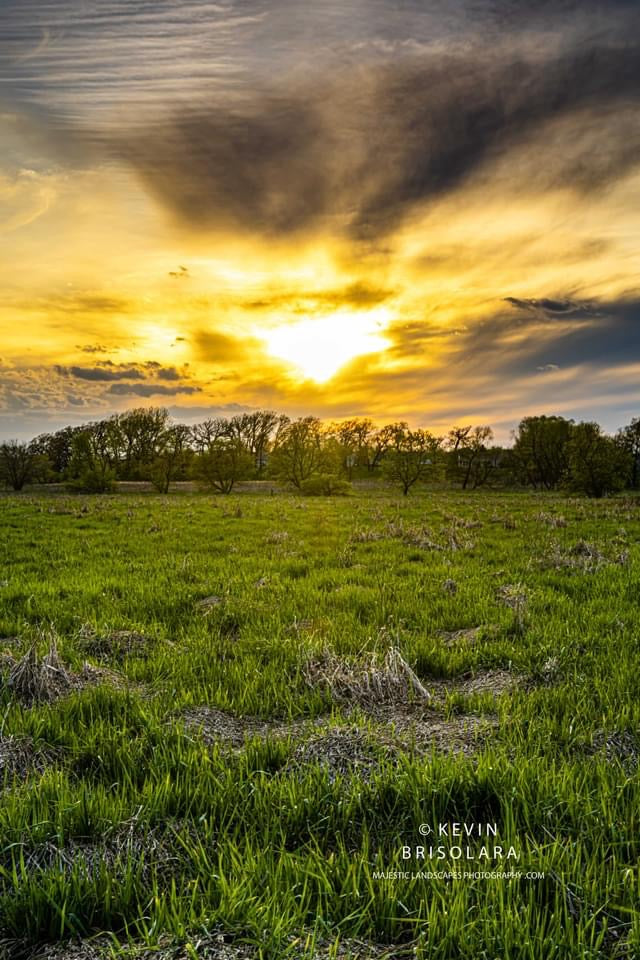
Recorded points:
(366,681)
(367,536)
(551,520)
(39,680)
(463,523)
(514,596)
(35,679)
(583,556)
(276,536)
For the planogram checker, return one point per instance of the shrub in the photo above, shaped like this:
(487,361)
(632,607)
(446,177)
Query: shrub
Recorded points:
(94,480)
(325,485)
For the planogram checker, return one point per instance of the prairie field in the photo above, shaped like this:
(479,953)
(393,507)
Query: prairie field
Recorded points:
(225,720)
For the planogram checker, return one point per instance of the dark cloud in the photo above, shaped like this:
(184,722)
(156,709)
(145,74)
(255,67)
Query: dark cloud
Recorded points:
(595,335)
(150,390)
(169,373)
(364,150)
(106,371)
(552,307)
(102,373)
(92,348)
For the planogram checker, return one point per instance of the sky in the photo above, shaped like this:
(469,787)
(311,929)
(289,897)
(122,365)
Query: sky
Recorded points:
(425,210)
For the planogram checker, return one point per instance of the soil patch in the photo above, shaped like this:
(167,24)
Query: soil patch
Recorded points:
(426,731)
(219,727)
(343,752)
(212,947)
(116,645)
(618,747)
(19,758)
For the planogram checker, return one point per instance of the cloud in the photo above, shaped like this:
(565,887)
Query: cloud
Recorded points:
(92,348)
(360,152)
(102,374)
(106,371)
(182,273)
(169,373)
(357,294)
(596,335)
(150,390)
(551,307)
(215,347)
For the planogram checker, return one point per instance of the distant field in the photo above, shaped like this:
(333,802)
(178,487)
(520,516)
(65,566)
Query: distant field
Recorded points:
(221,742)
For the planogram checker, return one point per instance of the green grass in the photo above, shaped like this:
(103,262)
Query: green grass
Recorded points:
(192,837)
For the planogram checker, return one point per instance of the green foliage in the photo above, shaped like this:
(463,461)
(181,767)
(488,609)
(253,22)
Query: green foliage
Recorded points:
(298,453)
(597,464)
(325,485)
(413,456)
(93,479)
(222,464)
(540,451)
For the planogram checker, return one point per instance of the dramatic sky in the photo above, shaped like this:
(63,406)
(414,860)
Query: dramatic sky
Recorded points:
(417,209)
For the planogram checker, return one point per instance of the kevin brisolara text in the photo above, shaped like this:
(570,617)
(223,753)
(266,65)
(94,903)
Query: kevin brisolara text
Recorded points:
(459,853)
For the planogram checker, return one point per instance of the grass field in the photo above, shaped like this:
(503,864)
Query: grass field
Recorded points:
(230,747)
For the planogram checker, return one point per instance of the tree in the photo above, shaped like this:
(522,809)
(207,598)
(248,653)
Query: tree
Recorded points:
(352,443)
(380,442)
(56,449)
(298,451)
(255,431)
(597,464)
(17,463)
(629,440)
(137,434)
(172,453)
(470,461)
(91,469)
(540,451)
(223,463)
(412,456)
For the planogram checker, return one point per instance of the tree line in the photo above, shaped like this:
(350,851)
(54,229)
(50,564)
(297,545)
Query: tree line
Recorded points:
(314,457)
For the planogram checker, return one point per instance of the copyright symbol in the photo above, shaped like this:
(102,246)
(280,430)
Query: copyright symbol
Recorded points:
(424,829)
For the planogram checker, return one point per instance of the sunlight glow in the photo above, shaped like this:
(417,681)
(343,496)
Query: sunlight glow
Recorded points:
(319,346)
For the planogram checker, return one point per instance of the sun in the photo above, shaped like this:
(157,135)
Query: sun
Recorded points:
(318,347)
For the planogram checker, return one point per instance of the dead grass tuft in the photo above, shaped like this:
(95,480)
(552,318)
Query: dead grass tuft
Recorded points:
(39,680)
(34,679)
(584,556)
(365,681)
